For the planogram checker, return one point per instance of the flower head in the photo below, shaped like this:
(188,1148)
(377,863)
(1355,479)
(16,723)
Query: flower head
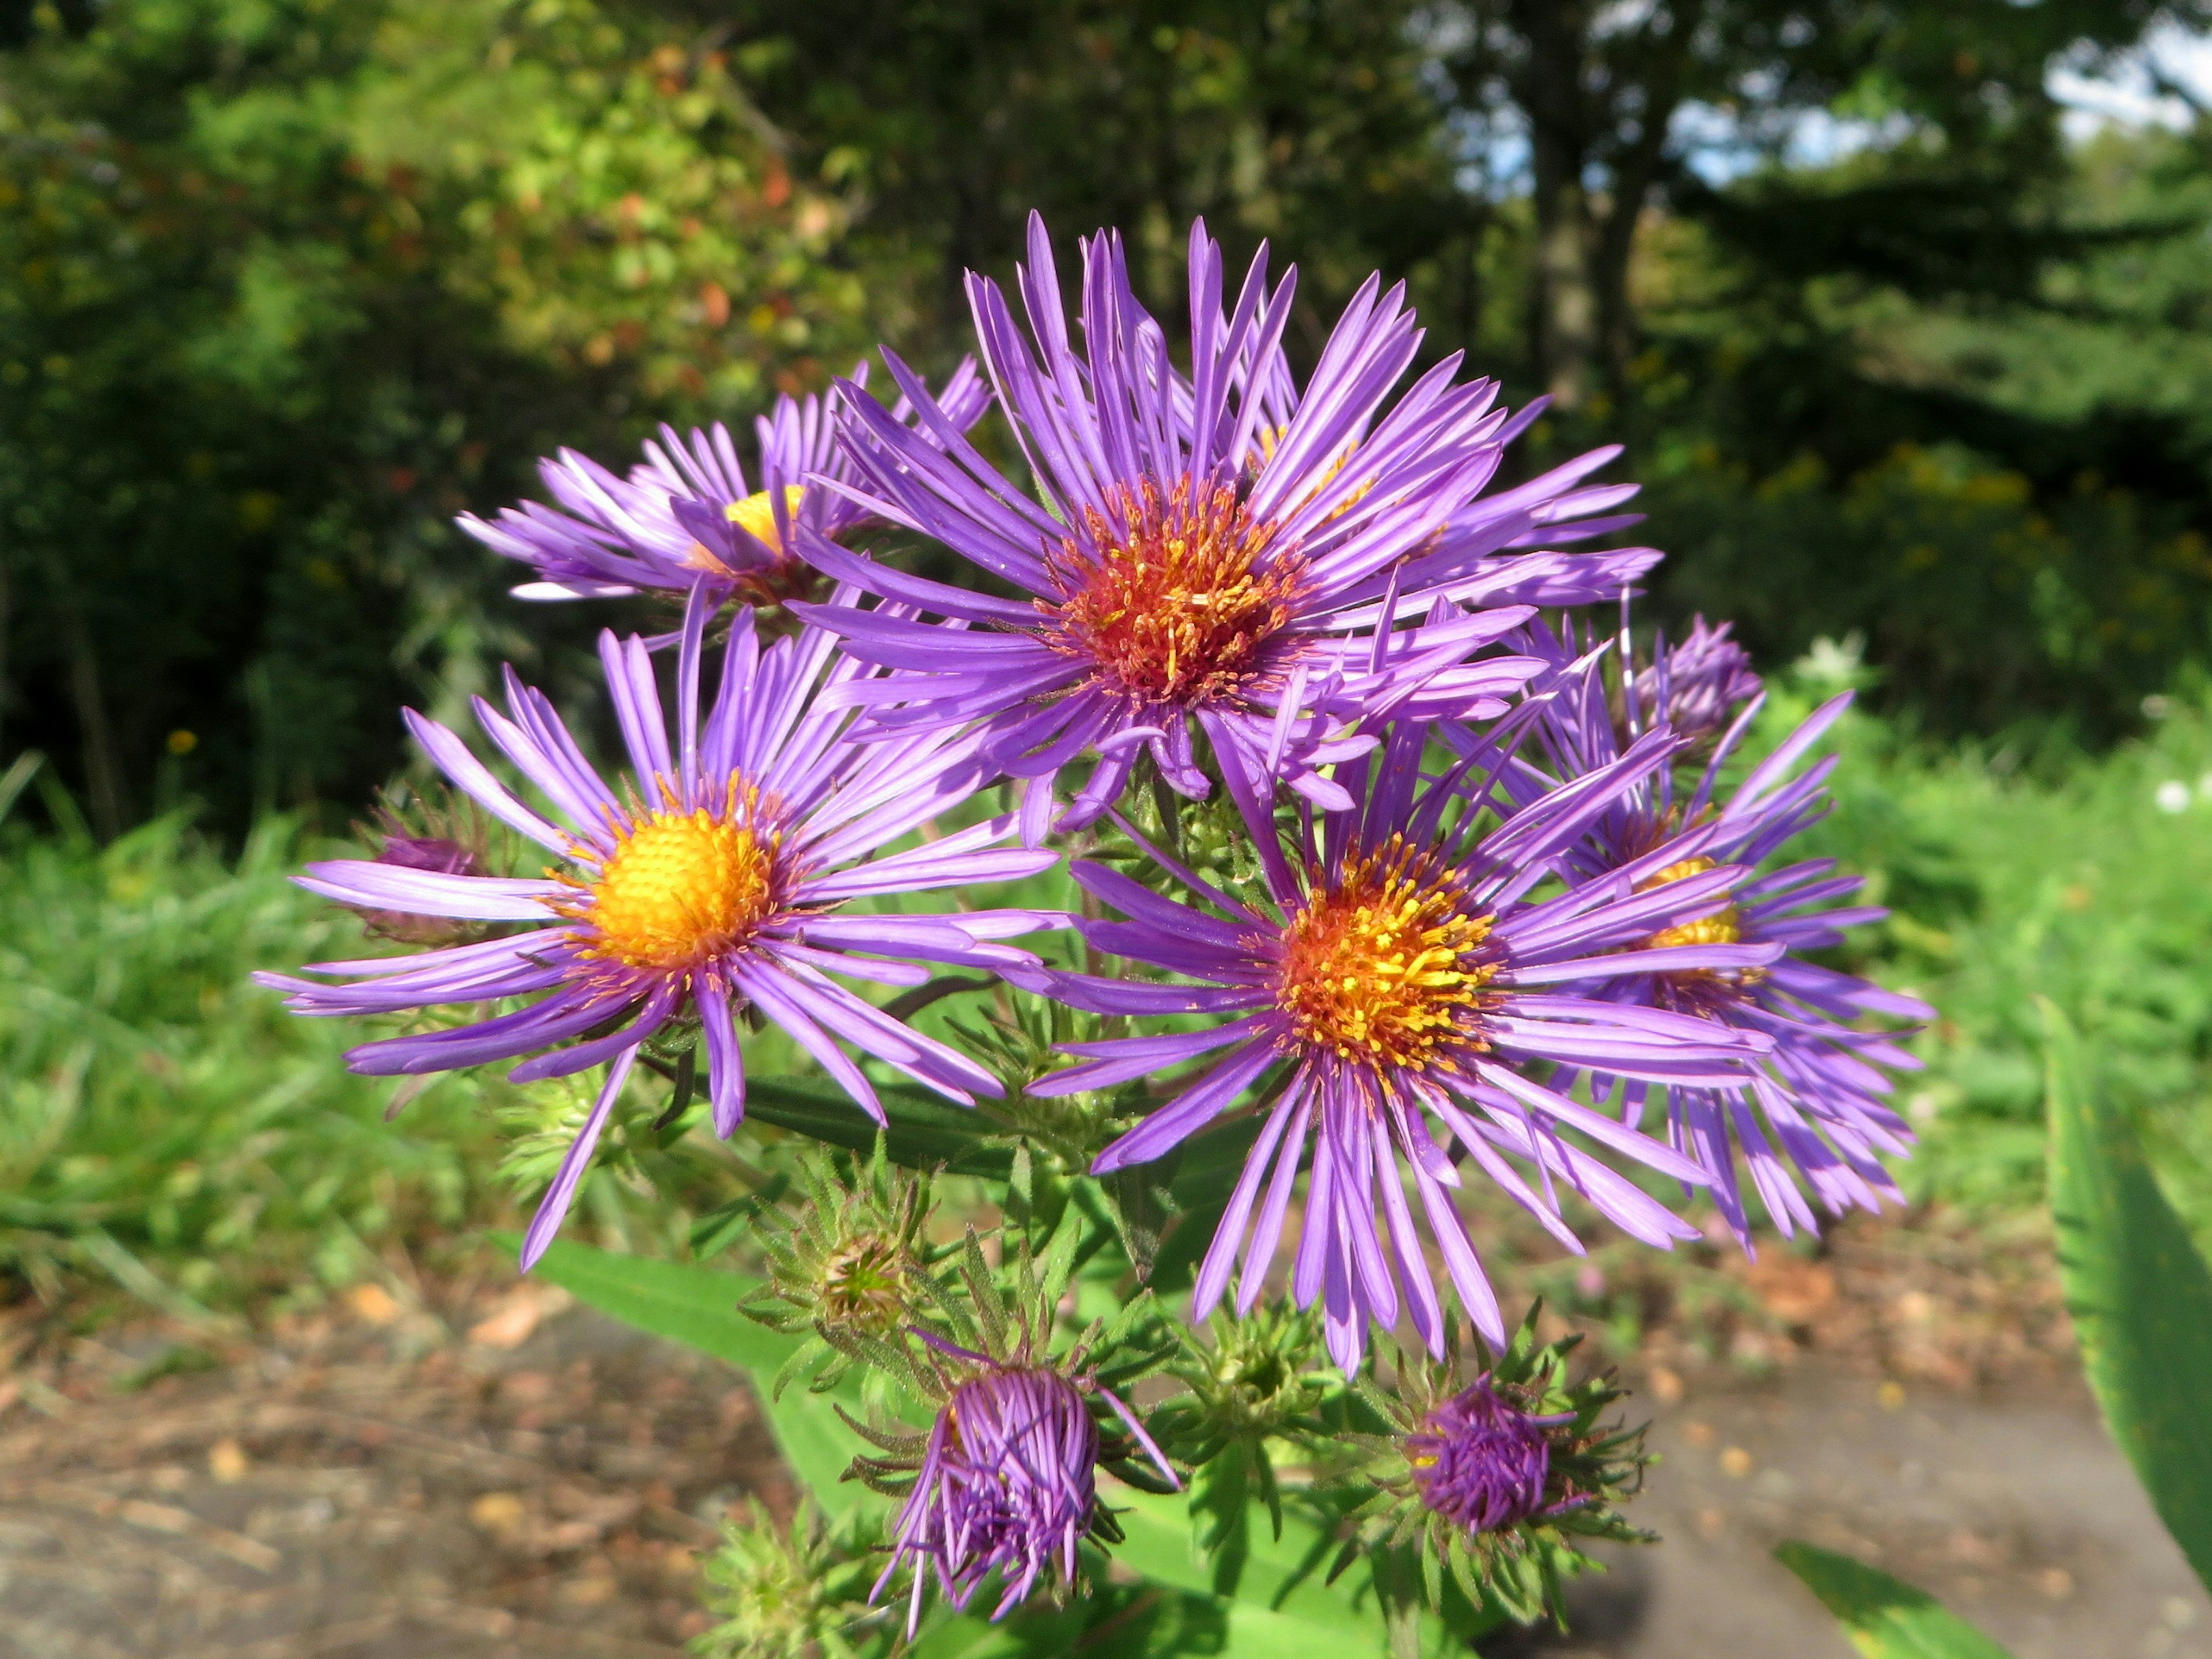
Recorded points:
(1008,1486)
(1225,554)
(1386,998)
(688,513)
(1482,1462)
(794,1592)
(711,884)
(1004,1483)
(850,1257)
(1492,1477)
(412,833)
(1815,1102)
(1694,688)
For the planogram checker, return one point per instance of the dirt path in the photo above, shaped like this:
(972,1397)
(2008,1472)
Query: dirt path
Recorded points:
(359,1493)
(2010,1504)
(503,1475)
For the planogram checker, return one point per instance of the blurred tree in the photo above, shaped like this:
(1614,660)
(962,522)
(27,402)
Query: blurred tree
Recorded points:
(289,284)
(1317,123)
(1614,104)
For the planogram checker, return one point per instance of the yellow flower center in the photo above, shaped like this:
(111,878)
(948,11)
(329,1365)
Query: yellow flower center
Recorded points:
(680,890)
(1721,927)
(1175,604)
(1379,965)
(755,514)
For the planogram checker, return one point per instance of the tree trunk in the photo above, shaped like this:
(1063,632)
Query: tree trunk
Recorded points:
(1564,299)
(103,778)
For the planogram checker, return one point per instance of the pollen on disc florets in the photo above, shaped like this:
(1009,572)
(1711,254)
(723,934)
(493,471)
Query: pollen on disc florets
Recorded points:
(1721,927)
(1175,599)
(1700,989)
(1380,965)
(681,889)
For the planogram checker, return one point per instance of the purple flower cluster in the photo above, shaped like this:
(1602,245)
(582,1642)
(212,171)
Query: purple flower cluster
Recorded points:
(1522,911)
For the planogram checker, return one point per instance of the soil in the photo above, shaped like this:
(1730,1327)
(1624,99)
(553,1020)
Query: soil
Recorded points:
(480,1470)
(497,1477)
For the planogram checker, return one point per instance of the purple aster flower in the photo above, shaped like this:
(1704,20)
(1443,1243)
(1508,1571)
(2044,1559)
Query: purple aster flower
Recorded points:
(1401,979)
(712,883)
(1005,1481)
(416,835)
(1484,1463)
(689,513)
(1226,550)
(1816,1100)
(1008,1485)
(1694,688)
(1494,1479)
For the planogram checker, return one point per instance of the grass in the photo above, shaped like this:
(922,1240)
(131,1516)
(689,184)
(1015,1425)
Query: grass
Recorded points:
(2014,871)
(163,1123)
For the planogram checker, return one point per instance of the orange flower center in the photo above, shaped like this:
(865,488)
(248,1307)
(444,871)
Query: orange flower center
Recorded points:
(680,890)
(1178,603)
(1380,966)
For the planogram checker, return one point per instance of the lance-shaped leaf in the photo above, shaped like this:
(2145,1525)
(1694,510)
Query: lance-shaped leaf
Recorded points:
(1885,1618)
(922,1131)
(698,1306)
(2140,1294)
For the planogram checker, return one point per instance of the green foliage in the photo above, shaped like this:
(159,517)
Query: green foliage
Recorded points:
(613,194)
(290,285)
(2027,867)
(1950,398)
(791,1592)
(1884,1617)
(162,1120)
(2140,1294)
(1247,1387)
(1317,125)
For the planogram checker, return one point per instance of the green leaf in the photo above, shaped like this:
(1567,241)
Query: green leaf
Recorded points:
(698,1306)
(1885,1618)
(923,1132)
(2139,1292)
(1282,1578)
(1204,1178)
(1221,1512)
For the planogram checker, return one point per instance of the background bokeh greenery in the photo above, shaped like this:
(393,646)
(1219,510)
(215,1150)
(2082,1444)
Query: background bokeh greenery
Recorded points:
(1918,381)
